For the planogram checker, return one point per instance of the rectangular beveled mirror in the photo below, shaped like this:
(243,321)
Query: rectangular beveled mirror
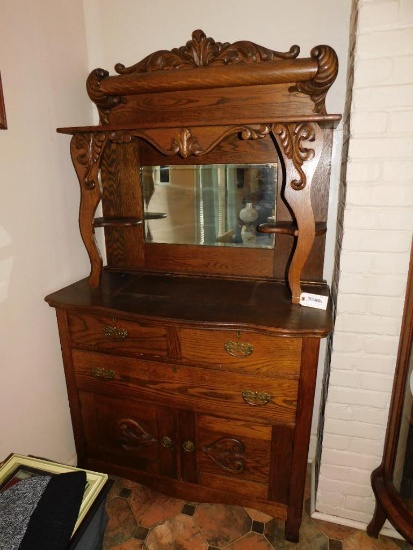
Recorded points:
(212,204)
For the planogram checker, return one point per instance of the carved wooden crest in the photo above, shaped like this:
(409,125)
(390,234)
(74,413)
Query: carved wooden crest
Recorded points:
(202,51)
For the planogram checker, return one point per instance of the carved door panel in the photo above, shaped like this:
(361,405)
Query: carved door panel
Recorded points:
(129,433)
(234,454)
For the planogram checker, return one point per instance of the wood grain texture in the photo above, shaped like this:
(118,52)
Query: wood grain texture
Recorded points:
(188,368)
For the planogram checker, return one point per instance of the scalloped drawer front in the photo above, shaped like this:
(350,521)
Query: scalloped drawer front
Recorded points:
(118,336)
(242,351)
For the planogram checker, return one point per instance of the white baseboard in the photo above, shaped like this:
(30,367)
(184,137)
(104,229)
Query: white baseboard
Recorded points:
(388,530)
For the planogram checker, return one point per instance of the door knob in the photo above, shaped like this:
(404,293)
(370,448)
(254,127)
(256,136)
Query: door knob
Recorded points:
(189,446)
(167,442)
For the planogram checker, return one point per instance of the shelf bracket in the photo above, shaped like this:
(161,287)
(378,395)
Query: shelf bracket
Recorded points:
(86,151)
(301,162)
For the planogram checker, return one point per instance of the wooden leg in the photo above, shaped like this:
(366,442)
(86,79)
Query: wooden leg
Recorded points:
(377,522)
(292,528)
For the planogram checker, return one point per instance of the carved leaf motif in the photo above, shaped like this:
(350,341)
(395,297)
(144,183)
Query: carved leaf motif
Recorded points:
(202,51)
(133,436)
(318,87)
(185,144)
(291,138)
(247,132)
(228,453)
(90,147)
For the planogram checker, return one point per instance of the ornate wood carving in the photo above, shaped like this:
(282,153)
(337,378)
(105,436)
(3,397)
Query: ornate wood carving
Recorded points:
(202,51)
(86,151)
(228,453)
(318,87)
(133,436)
(103,102)
(291,138)
(185,143)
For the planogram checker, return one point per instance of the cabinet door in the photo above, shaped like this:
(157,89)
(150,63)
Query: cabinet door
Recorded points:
(234,455)
(129,433)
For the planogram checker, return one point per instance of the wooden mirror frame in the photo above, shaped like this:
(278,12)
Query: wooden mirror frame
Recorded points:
(389,504)
(187,103)
(3,120)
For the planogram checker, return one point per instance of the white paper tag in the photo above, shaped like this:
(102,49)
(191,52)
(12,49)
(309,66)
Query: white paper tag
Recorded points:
(313,300)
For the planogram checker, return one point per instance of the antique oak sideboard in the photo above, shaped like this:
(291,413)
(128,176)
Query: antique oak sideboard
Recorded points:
(190,362)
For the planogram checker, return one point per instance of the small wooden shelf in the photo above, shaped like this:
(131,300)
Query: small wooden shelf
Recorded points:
(116,222)
(126,222)
(290,228)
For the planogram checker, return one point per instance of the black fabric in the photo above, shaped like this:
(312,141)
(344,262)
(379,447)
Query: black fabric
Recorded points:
(52,522)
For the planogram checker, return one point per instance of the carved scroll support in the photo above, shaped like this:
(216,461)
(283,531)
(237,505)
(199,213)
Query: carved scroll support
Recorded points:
(301,146)
(86,151)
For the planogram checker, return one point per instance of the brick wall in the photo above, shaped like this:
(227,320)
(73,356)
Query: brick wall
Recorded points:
(373,245)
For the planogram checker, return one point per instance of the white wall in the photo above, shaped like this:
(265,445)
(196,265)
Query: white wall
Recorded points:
(43,62)
(126,31)
(377,230)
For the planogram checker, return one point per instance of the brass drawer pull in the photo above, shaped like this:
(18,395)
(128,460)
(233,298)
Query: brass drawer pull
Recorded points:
(167,442)
(256,398)
(238,349)
(103,374)
(115,332)
(189,446)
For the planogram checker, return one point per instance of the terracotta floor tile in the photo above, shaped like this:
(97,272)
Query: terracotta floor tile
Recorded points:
(222,524)
(116,487)
(311,537)
(145,520)
(257,515)
(140,499)
(121,525)
(334,530)
(160,509)
(178,533)
(251,541)
(131,544)
(361,541)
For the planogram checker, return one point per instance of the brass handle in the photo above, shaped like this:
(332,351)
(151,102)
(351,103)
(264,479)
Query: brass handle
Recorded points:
(167,442)
(115,332)
(189,446)
(256,398)
(238,349)
(103,374)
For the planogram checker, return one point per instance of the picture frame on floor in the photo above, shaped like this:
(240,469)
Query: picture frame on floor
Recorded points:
(18,467)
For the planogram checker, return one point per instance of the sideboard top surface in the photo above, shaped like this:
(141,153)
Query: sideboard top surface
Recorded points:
(205,301)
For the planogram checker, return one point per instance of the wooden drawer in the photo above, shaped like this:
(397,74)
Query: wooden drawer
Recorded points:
(249,352)
(118,336)
(264,399)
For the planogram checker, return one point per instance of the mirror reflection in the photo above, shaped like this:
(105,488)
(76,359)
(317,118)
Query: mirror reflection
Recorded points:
(214,204)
